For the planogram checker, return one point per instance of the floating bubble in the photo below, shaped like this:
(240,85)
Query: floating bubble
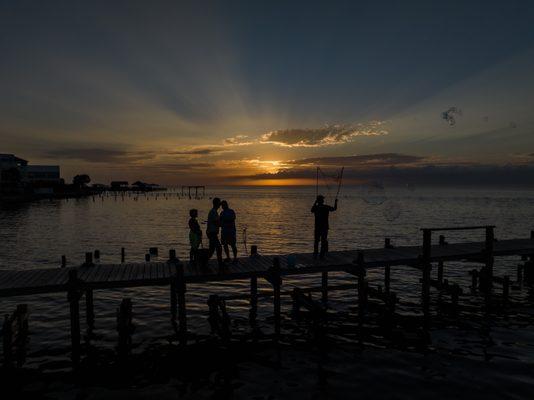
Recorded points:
(374,193)
(392,210)
(451,114)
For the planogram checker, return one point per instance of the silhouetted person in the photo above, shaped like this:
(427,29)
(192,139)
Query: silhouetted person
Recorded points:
(321,212)
(212,231)
(195,236)
(228,230)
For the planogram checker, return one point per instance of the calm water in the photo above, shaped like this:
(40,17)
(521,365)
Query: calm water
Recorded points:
(277,220)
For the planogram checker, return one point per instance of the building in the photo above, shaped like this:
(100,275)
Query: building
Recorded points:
(43,173)
(16,176)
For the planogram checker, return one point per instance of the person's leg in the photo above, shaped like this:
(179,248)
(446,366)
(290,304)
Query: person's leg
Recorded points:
(324,243)
(234,247)
(316,237)
(218,248)
(224,241)
(212,245)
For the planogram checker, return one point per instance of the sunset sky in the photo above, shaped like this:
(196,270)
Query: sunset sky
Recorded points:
(261,92)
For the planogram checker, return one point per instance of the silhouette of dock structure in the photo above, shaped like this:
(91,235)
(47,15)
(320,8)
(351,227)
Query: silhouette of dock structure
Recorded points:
(82,280)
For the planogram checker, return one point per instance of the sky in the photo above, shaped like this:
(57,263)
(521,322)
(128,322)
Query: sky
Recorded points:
(241,92)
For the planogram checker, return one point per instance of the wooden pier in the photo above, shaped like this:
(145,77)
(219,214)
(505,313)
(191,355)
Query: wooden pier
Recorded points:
(83,280)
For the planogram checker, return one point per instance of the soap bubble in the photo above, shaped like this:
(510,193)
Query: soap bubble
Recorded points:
(374,193)
(391,210)
(451,114)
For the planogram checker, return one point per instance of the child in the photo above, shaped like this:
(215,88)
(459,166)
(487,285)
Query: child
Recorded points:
(195,236)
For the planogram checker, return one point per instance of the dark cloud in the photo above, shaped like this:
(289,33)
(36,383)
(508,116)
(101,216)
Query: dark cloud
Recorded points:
(198,152)
(382,159)
(99,155)
(428,175)
(323,136)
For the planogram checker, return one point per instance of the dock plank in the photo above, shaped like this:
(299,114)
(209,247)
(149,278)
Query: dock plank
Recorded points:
(15,282)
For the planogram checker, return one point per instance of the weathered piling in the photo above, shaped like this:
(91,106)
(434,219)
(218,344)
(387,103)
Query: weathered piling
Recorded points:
(88,259)
(324,287)
(97,254)
(427,267)
(89,309)
(123,255)
(125,328)
(253,312)
(63,261)
(181,306)
(276,282)
(73,297)
(15,336)
(362,287)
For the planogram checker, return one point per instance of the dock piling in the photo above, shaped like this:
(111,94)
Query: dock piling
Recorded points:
(253,313)
(89,309)
(387,278)
(180,290)
(88,259)
(324,287)
(427,266)
(63,261)
(276,282)
(73,297)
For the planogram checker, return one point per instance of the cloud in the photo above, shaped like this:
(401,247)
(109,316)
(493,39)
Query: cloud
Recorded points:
(324,136)
(424,175)
(238,140)
(365,160)
(99,155)
(199,151)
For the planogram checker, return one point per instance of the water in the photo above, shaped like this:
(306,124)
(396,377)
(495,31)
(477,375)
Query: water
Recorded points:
(277,220)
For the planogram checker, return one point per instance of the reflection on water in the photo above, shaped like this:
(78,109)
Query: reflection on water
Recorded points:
(278,220)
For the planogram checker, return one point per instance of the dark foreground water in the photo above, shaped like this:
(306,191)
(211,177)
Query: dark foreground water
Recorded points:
(278,220)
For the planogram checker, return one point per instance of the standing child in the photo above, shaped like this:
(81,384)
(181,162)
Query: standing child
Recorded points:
(195,236)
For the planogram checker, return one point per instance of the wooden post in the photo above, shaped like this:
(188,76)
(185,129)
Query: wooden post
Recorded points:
(123,255)
(174,304)
(442,240)
(172,255)
(276,282)
(181,289)
(427,266)
(387,243)
(532,235)
(147,257)
(253,313)
(387,278)
(253,250)
(97,254)
(324,287)
(88,258)
(73,297)
(7,341)
(506,288)
(89,309)
(490,237)
(474,280)
(362,287)
(153,251)
(124,328)
(63,261)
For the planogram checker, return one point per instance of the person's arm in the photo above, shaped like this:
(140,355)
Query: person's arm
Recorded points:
(335,206)
(314,207)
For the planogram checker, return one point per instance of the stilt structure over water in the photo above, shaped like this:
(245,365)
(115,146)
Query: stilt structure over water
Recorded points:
(81,281)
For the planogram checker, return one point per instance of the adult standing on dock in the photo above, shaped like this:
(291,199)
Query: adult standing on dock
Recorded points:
(212,231)
(321,212)
(228,230)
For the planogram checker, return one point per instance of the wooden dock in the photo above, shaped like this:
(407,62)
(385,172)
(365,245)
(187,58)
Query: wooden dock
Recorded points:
(84,279)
